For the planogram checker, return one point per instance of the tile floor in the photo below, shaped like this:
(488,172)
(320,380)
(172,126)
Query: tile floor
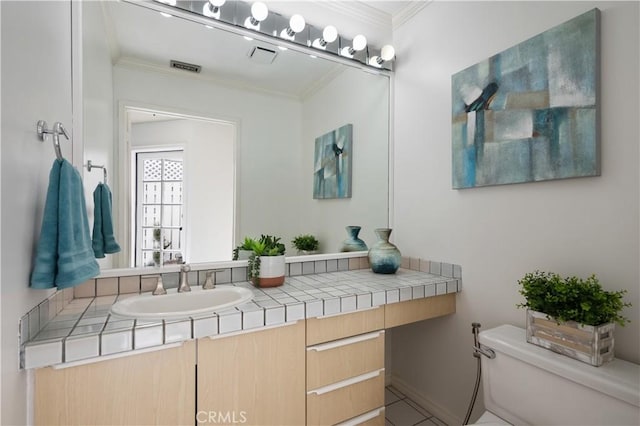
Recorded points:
(401,411)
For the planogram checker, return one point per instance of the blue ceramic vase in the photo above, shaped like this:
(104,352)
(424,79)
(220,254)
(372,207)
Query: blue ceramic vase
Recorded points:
(353,243)
(384,257)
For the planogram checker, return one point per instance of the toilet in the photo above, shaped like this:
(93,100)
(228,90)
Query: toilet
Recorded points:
(529,385)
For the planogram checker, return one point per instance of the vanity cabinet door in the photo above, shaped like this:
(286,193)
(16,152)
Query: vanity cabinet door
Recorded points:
(254,378)
(149,388)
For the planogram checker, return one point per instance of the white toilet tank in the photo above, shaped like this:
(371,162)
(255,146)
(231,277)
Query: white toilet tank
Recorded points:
(527,384)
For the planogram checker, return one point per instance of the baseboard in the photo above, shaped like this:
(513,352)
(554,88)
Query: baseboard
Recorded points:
(434,408)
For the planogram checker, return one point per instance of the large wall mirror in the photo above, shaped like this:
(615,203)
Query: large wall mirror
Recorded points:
(198,161)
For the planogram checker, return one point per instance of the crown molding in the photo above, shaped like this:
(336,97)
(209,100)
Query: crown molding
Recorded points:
(358,10)
(408,12)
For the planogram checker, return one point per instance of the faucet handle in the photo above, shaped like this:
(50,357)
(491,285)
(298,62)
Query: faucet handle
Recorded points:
(184,278)
(159,287)
(210,281)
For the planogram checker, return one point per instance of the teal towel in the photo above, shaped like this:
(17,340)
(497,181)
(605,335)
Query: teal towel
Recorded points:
(64,257)
(103,239)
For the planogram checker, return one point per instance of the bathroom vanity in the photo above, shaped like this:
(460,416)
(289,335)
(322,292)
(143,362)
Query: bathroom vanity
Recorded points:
(324,366)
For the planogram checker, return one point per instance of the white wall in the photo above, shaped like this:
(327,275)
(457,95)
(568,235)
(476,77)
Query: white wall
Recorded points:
(573,227)
(97,108)
(362,99)
(36,85)
(269,131)
(208,178)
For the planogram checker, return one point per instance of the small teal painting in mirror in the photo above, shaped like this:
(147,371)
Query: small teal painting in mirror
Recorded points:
(332,164)
(530,113)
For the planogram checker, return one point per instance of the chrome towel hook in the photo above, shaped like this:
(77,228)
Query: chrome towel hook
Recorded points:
(90,166)
(58,129)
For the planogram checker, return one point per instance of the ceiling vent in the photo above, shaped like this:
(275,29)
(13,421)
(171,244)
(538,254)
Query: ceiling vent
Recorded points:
(185,66)
(262,55)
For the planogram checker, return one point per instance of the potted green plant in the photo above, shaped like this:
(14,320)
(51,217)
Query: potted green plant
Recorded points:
(572,316)
(305,244)
(266,265)
(244,250)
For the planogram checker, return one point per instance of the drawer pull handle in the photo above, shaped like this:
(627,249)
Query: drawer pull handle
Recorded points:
(345,383)
(344,342)
(362,418)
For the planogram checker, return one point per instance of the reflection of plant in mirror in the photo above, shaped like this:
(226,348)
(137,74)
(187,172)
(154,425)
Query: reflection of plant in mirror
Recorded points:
(306,242)
(247,244)
(267,245)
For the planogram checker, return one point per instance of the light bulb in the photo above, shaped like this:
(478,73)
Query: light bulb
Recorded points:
(217,3)
(212,11)
(330,34)
(359,42)
(259,11)
(297,23)
(387,53)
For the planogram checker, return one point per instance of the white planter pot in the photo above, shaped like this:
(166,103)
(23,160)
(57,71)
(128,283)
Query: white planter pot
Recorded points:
(272,270)
(244,254)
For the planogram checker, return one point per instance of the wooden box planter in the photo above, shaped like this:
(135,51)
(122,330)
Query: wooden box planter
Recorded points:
(586,343)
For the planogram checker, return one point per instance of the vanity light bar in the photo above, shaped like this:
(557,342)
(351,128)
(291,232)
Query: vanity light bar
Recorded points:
(256,17)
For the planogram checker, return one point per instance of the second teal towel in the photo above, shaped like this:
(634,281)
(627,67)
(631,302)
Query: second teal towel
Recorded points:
(103,239)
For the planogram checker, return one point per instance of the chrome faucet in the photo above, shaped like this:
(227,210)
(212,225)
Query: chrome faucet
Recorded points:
(184,279)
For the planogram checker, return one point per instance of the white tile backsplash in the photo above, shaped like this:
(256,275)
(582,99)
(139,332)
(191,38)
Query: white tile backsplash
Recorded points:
(203,327)
(273,316)
(177,331)
(76,348)
(116,341)
(42,354)
(229,321)
(147,336)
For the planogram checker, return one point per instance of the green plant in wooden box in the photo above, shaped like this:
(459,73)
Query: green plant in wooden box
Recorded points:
(572,298)
(572,316)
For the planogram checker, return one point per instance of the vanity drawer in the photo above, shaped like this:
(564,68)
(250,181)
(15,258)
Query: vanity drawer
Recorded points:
(347,399)
(342,359)
(372,418)
(325,329)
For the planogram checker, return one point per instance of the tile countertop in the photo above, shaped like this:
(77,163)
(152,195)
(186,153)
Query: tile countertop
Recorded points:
(85,330)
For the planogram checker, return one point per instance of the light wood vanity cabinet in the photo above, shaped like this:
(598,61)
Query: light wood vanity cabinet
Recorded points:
(319,371)
(255,378)
(149,388)
(345,367)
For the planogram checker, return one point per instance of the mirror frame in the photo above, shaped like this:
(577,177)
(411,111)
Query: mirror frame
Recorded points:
(78,122)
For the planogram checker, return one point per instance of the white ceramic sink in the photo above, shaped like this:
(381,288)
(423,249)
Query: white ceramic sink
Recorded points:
(181,305)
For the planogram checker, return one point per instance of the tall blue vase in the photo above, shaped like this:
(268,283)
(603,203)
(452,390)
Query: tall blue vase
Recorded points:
(384,257)
(353,243)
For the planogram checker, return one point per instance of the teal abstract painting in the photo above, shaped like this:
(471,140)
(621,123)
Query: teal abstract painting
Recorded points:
(333,158)
(530,113)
